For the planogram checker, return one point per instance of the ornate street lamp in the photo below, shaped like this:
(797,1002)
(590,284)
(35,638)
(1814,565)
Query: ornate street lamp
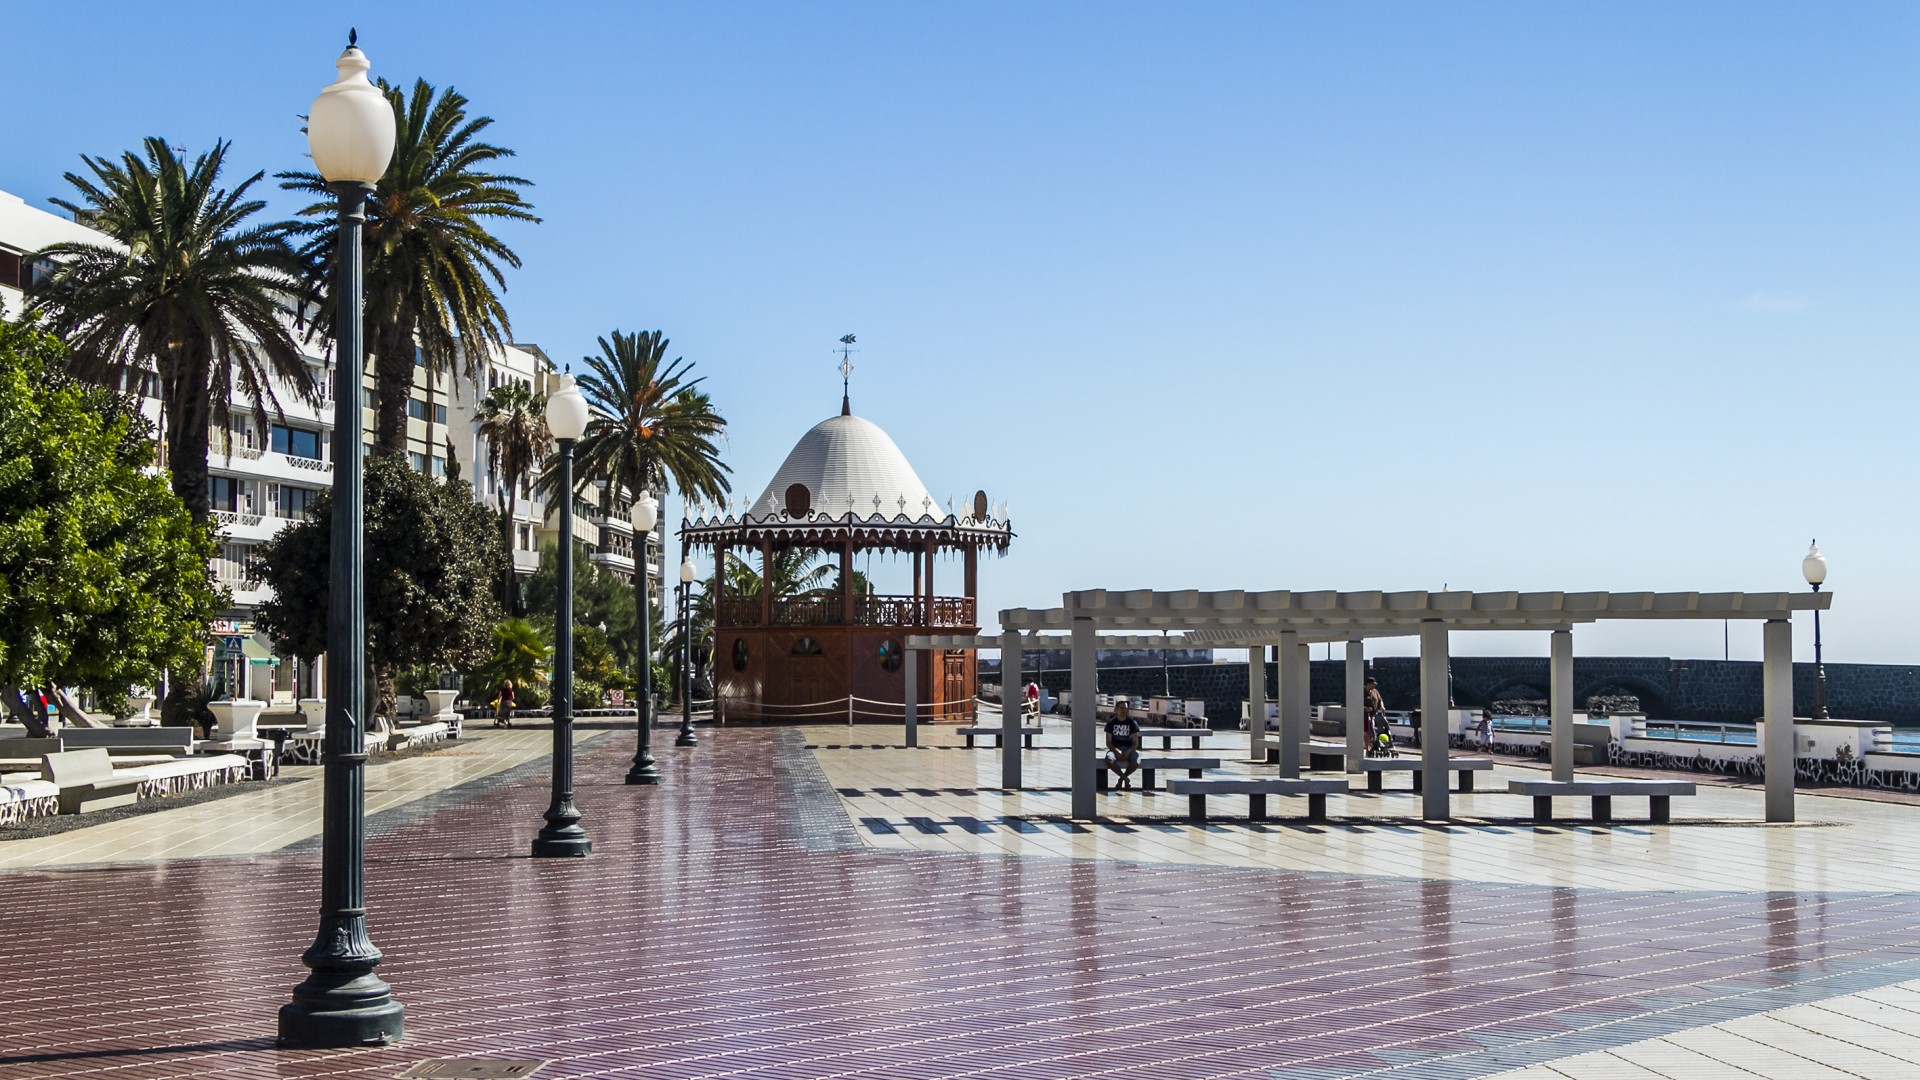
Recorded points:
(342,1002)
(562,836)
(688,572)
(1814,569)
(645,513)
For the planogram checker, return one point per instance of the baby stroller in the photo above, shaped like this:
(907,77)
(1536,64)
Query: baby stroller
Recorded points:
(1380,738)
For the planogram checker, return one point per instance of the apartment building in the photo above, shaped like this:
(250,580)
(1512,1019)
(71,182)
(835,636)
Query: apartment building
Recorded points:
(260,481)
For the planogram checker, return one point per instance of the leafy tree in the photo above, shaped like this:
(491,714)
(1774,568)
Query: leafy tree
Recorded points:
(521,651)
(514,423)
(651,425)
(433,268)
(191,290)
(432,555)
(599,596)
(103,571)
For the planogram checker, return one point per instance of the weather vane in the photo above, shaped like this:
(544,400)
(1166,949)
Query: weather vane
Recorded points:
(846,373)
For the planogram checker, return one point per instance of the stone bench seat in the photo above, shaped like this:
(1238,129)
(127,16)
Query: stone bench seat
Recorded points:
(982,731)
(1256,790)
(87,781)
(176,776)
(130,742)
(1658,793)
(1151,764)
(22,798)
(1166,735)
(1377,768)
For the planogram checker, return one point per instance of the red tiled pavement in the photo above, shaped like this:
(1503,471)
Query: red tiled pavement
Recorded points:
(729,924)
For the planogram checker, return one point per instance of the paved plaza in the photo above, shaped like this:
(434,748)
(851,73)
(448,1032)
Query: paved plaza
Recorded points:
(823,902)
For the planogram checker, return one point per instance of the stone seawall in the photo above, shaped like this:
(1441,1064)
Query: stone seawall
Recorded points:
(1714,691)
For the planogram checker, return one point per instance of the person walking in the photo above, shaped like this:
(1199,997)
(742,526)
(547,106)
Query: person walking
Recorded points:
(503,705)
(1484,730)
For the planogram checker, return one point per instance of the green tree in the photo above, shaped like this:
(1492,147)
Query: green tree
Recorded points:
(514,423)
(190,290)
(651,426)
(433,266)
(599,597)
(103,571)
(432,555)
(520,651)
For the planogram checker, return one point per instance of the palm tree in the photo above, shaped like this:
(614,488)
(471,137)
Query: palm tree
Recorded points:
(433,270)
(651,426)
(514,423)
(191,290)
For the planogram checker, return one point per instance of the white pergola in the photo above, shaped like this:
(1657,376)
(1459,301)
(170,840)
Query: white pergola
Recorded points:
(1291,621)
(1011,645)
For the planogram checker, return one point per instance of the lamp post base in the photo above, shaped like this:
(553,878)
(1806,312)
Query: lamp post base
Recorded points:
(359,1012)
(687,738)
(562,847)
(643,772)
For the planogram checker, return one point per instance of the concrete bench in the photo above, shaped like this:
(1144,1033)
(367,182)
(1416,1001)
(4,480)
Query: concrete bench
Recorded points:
(1377,768)
(177,776)
(1151,765)
(1314,755)
(1168,734)
(87,781)
(1658,793)
(1256,791)
(977,731)
(144,742)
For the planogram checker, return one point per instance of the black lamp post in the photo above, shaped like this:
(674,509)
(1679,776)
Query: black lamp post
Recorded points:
(342,1002)
(645,513)
(562,837)
(1814,569)
(688,572)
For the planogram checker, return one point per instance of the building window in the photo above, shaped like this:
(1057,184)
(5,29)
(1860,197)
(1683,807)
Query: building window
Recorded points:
(439,465)
(295,501)
(296,442)
(890,655)
(10,269)
(418,460)
(417,409)
(222,492)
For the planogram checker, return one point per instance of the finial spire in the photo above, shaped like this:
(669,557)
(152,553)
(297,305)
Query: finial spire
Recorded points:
(353,38)
(846,373)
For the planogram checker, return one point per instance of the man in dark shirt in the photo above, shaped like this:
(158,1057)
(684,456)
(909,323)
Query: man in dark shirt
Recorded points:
(1123,745)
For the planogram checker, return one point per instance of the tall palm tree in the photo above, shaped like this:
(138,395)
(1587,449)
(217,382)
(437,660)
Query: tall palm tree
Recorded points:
(433,269)
(651,426)
(514,423)
(190,290)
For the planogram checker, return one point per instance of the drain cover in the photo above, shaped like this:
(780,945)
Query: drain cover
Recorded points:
(473,1068)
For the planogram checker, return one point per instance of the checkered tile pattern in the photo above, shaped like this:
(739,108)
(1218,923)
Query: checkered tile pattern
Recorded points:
(731,924)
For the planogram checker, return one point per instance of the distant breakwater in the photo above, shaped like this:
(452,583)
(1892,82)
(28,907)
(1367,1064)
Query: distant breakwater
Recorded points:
(1710,691)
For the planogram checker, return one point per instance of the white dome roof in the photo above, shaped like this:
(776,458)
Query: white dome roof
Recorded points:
(846,457)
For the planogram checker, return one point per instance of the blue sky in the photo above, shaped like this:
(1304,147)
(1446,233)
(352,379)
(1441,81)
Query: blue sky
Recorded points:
(1218,295)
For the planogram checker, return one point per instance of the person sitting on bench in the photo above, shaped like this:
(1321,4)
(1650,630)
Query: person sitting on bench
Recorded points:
(1123,745)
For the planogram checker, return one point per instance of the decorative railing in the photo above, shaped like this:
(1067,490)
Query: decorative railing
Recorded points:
(228,517)
(310,463)
(827,610)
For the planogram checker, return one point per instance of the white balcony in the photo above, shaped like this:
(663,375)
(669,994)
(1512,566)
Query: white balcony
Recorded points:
(526,562)
(613,560)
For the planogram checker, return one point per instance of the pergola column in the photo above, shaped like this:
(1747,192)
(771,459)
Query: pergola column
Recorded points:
(1434,802)
(1085,686)
(1256,702)
(1012,700)
(1356,703)
(1560,704)
(913,692)
(1777,711)
(1292,718)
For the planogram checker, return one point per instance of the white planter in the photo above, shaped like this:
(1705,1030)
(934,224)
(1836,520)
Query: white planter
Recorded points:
(314,711)
(236,719)
(441,704)
(142,715)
